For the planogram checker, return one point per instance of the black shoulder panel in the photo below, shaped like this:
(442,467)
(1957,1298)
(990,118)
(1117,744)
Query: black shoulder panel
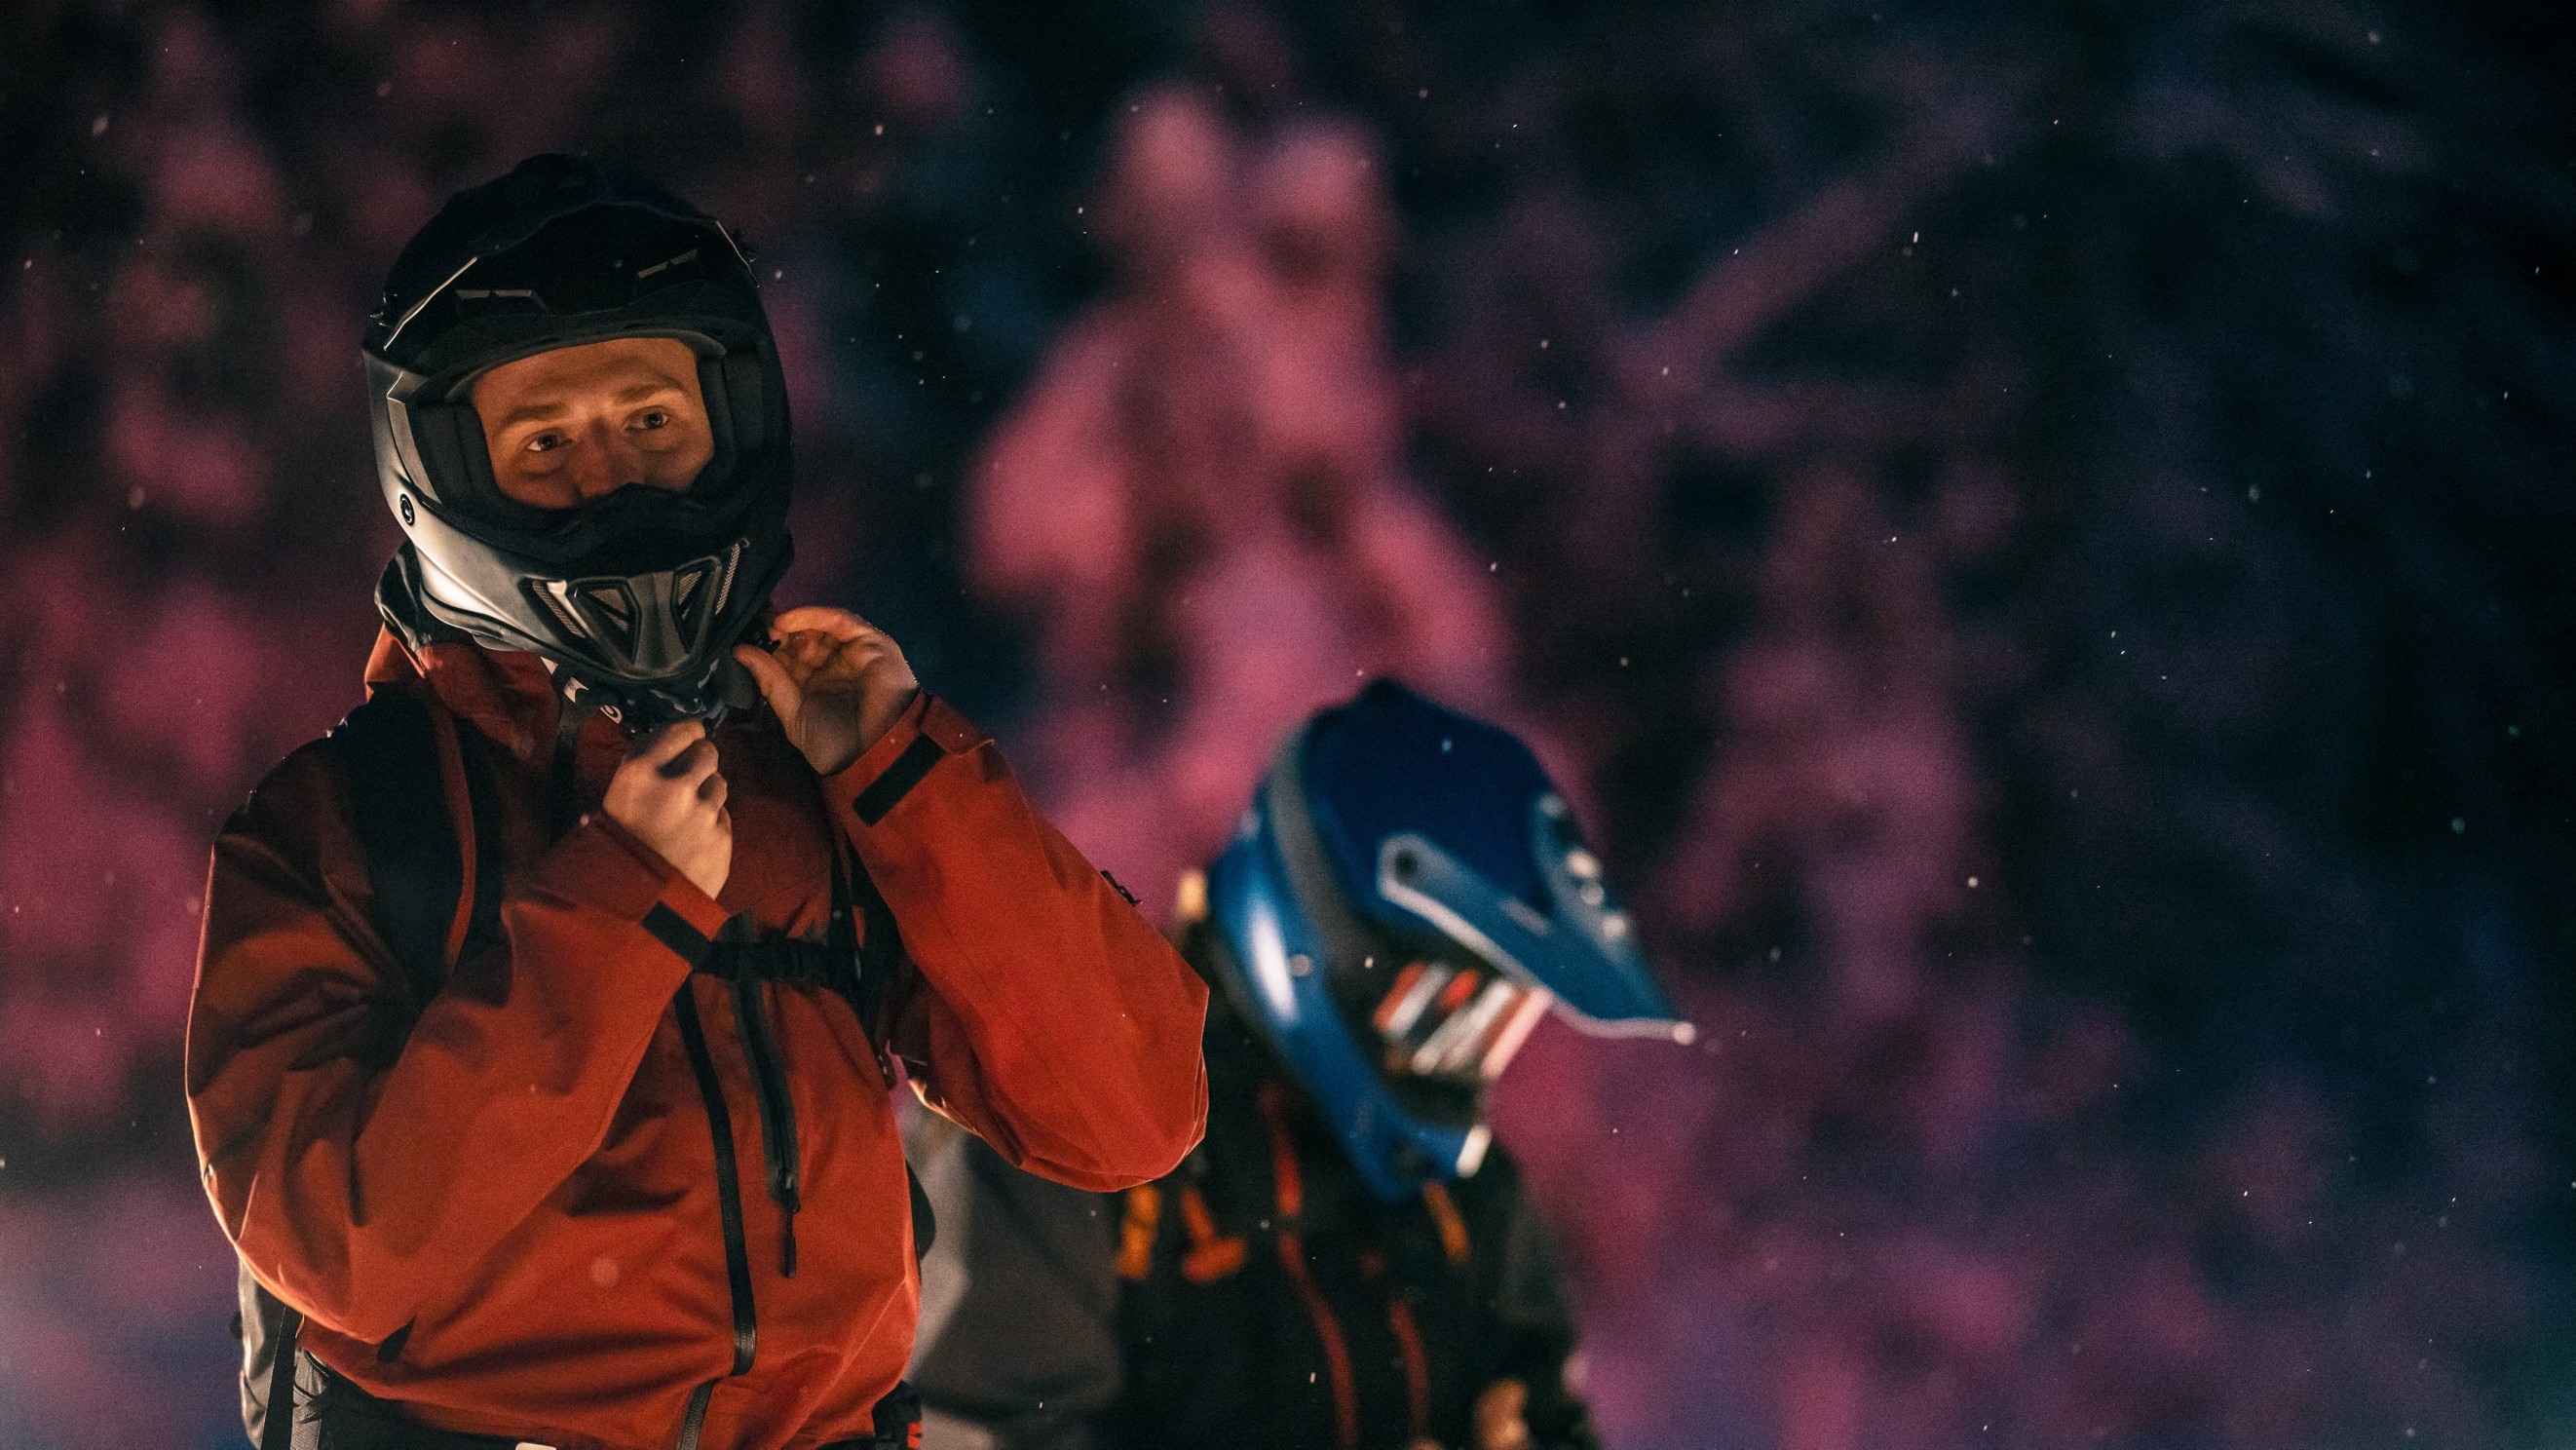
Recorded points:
(414,860)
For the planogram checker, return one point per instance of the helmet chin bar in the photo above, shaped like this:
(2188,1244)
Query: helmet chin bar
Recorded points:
(644,649)
(653,630)
(645,626)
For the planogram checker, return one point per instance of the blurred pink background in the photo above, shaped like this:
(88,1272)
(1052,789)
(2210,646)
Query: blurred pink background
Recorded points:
(2055,613)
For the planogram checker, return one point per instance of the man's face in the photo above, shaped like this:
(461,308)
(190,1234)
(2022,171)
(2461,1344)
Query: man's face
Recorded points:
(578,423)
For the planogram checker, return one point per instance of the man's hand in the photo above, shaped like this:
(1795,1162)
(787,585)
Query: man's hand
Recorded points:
(669,795)
(837,683)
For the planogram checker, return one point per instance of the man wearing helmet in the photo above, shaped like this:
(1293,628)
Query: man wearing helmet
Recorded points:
(710,870)
(572,425)
(1346,1263)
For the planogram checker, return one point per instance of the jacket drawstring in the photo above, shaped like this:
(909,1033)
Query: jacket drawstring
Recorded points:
(777,1108)
(768,1064)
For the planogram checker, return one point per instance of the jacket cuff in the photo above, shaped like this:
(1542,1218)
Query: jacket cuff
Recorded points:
(872,786)
(603,865)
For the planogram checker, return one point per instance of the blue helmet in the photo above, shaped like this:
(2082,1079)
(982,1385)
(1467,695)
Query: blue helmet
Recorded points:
(1405,898)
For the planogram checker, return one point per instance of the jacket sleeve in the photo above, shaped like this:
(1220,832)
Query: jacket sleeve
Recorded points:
(1046,1014)
(359,1168)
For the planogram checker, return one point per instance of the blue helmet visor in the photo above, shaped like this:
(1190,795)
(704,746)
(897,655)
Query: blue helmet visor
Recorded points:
(1576,947)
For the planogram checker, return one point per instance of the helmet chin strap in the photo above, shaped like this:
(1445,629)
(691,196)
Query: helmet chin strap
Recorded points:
(640,709)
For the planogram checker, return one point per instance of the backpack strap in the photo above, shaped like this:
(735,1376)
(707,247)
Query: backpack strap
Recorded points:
(871,953)
(876,956)
(390,750)
(277,1432)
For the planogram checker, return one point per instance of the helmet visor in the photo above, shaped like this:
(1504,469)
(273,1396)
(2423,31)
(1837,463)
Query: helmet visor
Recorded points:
(600,259)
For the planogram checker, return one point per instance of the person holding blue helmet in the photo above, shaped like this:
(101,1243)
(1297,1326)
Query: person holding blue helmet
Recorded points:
(1347,1262)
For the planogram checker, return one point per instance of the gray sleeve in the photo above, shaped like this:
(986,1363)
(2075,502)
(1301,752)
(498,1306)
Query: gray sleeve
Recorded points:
(1018,1343)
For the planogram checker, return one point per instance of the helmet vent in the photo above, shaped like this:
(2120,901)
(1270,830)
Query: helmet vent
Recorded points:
(611,605)
(548,592)
(689,594)
(645,626)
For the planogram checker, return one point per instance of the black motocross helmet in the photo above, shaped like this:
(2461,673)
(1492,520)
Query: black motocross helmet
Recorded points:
(635,600)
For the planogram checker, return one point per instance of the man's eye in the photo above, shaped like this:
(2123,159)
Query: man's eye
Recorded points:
(547,442)
(652,418)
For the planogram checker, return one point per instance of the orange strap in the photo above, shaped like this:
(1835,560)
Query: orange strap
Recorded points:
(1136,1235)
(1210,1257)
(1292,1260)
(1446,1218)
(1417,1365)
(1408,1341)
(1283,1153)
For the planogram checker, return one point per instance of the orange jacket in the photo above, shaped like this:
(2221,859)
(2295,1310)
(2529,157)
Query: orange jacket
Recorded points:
(508,1218)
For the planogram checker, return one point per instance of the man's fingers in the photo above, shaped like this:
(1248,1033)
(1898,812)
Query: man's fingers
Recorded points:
(671,793)
(664,745)
(693,764)
(840,624)
(802,654)
(803,658)
(776,684)
(813,639)
(816,649)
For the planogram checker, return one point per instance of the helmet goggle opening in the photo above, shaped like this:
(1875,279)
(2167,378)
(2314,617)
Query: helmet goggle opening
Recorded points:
(598,273)
(452,449)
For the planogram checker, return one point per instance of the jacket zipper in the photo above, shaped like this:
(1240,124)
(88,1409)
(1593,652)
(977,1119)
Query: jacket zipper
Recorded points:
(777,1130)
(693,1036)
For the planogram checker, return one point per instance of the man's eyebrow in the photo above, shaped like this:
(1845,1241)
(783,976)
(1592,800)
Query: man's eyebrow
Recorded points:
(539,412)
(638,392)
(528,412)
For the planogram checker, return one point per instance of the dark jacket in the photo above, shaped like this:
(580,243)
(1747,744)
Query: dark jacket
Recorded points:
(507,1209)
(1258,1297)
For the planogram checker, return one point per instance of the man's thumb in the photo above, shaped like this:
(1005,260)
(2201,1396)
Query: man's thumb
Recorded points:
(771,676)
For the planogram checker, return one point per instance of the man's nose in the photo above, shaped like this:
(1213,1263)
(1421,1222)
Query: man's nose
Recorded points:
(602,467)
